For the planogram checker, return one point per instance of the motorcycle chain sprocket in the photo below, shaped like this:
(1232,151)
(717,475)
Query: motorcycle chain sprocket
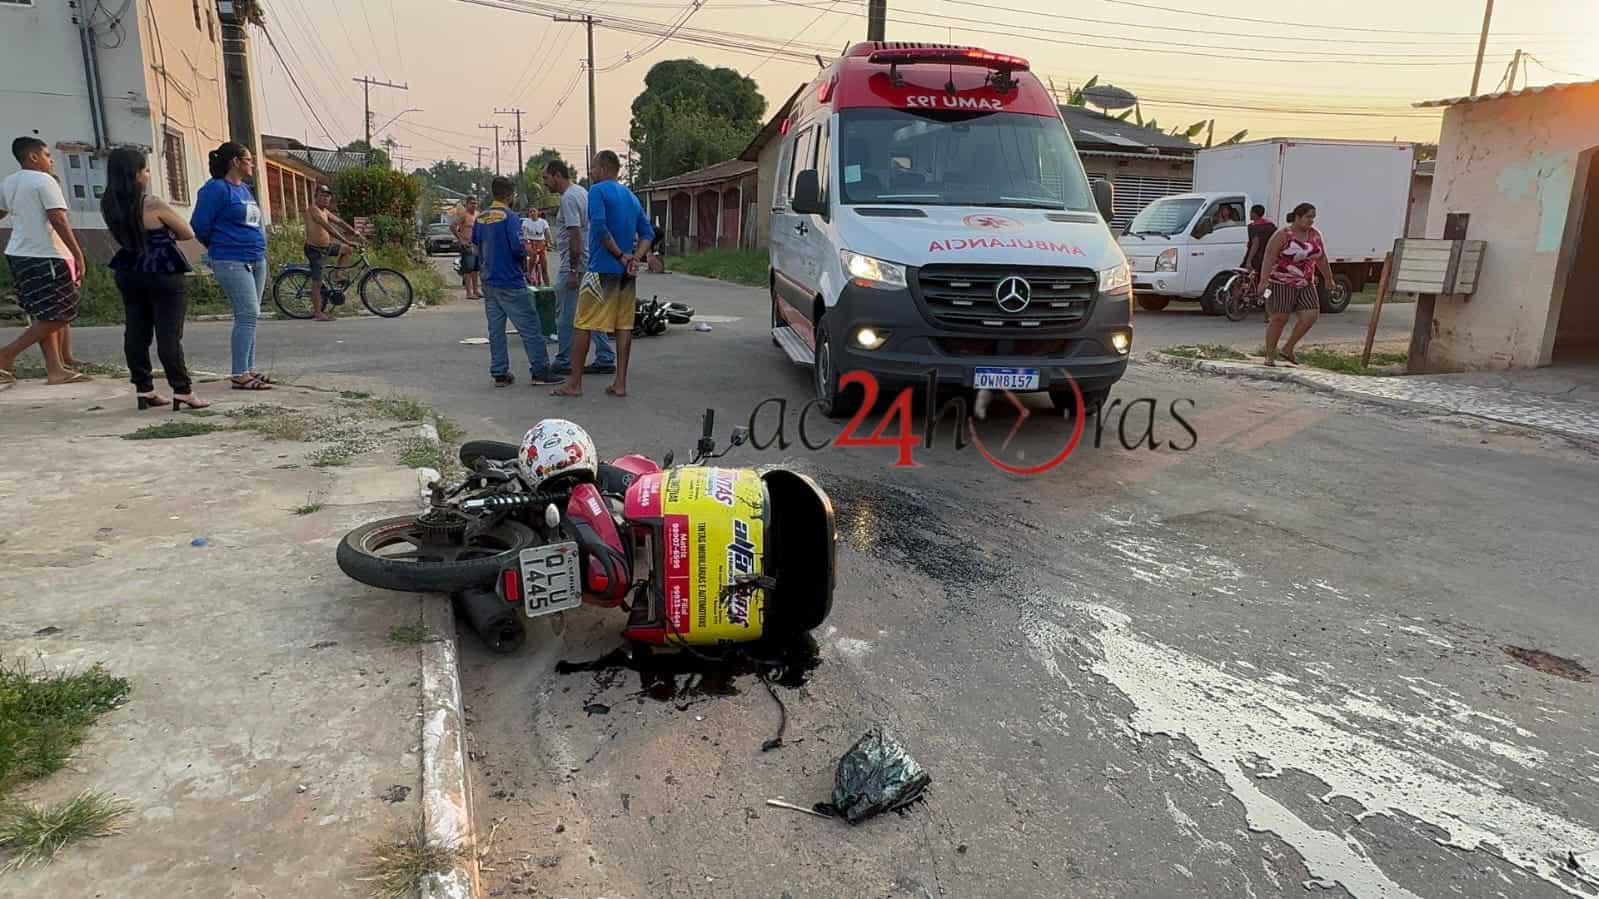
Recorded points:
(445,526)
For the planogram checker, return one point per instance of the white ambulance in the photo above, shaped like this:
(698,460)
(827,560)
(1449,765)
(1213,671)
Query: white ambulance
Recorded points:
(930,215)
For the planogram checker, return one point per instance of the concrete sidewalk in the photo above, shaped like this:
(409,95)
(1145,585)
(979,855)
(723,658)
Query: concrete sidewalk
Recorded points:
(1565,403)
(272,725)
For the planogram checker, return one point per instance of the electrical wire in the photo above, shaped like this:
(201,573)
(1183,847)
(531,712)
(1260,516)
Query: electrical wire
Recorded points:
(806,27)
(394,31)
(311,110)
(643,50)
(1301,25)
(373,37)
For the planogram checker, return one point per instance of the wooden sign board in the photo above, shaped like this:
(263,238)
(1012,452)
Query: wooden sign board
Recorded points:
(362,225)
(1437,266)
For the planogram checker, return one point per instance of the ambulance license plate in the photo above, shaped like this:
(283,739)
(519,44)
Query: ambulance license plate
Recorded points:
(1005,379)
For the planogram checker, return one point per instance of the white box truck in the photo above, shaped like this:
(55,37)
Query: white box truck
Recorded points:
(1184,247)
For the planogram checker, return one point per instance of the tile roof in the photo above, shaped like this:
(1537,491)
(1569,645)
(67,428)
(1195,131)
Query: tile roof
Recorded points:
(1456,101)
(1097,131)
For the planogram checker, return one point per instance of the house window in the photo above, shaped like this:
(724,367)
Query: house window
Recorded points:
(176,162)
(74,161)
(197,25)
(210,25)
(78,192)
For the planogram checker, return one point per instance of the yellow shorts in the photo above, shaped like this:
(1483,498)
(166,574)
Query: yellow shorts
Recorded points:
(606,303)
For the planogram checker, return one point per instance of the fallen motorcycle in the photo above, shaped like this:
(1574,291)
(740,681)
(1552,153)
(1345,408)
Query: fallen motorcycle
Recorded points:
(695,555)
(652,316)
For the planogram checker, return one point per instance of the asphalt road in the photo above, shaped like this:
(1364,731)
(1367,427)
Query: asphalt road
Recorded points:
(1270,664)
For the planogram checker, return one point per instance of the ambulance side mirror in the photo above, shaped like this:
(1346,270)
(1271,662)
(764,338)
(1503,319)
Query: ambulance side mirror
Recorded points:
(807,199)
(1105,199)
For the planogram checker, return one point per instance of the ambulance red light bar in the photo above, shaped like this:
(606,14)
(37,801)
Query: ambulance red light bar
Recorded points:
(958,56)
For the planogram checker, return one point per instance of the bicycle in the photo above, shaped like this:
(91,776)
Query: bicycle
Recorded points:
(1239,295)
(384,291)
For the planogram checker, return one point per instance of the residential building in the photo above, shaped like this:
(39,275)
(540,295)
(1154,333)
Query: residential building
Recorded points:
(1524,166)
(88,76)
(709,207)
(292,172)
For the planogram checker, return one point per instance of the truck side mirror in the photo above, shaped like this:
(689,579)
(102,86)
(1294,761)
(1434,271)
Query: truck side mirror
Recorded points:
(1104,199)
(807,199)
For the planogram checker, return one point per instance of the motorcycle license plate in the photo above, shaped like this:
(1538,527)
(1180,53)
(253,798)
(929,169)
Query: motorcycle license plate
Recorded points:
(550,580)
(1005,379)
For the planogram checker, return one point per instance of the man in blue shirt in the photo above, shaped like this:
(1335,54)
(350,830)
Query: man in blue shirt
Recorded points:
(619,236)
(497,235)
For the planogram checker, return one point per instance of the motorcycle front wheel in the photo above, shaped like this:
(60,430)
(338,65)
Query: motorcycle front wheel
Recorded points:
(412,555)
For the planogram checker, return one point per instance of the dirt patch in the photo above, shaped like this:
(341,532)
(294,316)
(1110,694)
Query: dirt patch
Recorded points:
(1548,663)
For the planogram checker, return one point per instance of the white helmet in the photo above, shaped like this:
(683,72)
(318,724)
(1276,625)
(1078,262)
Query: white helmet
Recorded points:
(555,448)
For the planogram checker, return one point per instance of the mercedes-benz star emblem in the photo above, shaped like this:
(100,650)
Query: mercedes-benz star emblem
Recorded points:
(1013,294)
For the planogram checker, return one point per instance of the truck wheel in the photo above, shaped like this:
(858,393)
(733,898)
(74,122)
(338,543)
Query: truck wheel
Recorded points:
(831,401)
(1337,299)
(1210,302)
(1063,400)
(1153,304)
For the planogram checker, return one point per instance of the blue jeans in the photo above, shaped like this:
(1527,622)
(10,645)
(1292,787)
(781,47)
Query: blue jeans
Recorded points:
(516,304)
(242,283)
(566,311)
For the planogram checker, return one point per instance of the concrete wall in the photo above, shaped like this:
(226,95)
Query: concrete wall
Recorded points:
(1420,200)
(46,91)
(1510,163)
(765,176)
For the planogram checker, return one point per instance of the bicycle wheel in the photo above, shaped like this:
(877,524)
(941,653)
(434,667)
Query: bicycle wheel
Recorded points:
(386,292)
(1235,297)
(291,293)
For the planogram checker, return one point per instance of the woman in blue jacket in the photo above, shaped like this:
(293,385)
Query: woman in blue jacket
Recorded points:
(227,221)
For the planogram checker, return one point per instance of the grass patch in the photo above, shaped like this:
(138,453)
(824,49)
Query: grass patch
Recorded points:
(311,507)
(1349,362)
(34,834)
(393,867)
(400,408)
(43,717)
(418,453)
(27,369)
(748,267)
(450,433)
(354,395)
(411,634)
(333,456)
(1205,351)
(172,429)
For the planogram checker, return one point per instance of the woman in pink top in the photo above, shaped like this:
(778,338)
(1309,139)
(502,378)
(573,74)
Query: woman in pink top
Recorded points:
(1292,258)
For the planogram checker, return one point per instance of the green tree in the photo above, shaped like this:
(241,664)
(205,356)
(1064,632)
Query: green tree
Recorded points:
(459,177)
(377,155)
(690,115)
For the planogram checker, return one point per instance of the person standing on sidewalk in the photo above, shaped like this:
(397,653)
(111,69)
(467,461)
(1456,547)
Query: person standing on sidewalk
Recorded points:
(619,236)
(45,260)
(498,238)
(461,225)
(1293,257)
(227,222)
(571,260)
(150,273)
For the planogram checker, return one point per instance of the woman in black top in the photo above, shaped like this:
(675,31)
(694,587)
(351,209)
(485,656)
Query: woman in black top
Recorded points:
(150,272)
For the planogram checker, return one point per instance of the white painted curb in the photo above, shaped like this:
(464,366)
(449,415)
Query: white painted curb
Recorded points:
(446,796)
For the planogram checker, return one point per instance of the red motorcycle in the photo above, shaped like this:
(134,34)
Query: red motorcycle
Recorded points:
(696,555)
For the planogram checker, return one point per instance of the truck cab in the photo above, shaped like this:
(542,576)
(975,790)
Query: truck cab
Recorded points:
(1185,246)
(931,218)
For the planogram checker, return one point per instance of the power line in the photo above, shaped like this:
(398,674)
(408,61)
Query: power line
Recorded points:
(642,50)
(296,82)
(394,26)
(1328,27)
(373,37)
(806,27)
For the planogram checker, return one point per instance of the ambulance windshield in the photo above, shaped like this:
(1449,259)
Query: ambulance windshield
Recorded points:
(959,159)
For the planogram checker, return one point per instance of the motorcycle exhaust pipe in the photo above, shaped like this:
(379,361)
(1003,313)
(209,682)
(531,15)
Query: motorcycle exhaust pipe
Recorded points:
(498,623)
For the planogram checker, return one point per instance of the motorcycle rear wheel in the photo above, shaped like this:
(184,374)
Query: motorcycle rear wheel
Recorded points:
(428,564)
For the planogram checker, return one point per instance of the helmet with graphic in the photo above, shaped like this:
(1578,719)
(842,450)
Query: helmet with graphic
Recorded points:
(557,449)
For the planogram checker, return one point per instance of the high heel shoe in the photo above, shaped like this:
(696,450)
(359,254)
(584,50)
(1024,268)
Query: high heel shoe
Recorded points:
(179,402)
(151,400)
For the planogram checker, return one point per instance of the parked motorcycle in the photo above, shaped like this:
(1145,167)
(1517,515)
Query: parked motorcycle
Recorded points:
(652,316)
(696,555)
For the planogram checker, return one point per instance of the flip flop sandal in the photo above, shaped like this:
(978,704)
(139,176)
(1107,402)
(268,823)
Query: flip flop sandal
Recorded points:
(78,377)
(7,377)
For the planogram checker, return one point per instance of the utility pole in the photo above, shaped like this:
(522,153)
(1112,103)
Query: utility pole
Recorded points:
(396,152)
(588,23)
(521,161)
(367,82)
(479,156)
(1482,46)
(1515,63)
(496,127)
(876,18)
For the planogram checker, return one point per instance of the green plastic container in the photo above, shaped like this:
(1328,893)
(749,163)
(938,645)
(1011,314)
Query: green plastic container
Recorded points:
(544,301)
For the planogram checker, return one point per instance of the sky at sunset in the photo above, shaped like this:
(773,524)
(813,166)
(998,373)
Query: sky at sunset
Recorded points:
(1348,70)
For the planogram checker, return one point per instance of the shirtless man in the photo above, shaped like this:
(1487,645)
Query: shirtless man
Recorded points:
(461,226)
(321,227)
